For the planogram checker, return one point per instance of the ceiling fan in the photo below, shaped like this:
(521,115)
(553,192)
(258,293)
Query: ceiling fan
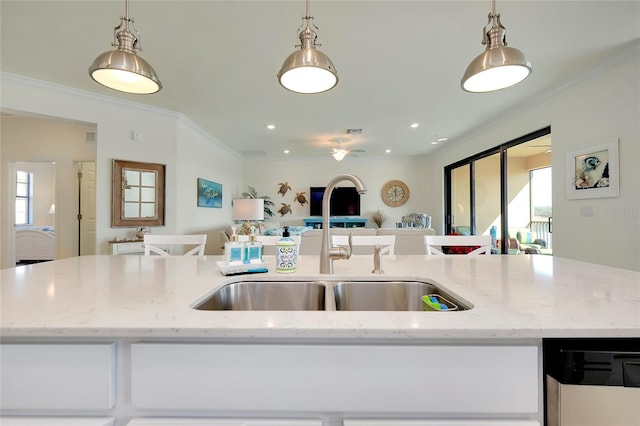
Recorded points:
(340,152)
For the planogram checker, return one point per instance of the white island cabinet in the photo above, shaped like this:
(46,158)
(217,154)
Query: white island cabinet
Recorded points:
(374,378)
(115,340)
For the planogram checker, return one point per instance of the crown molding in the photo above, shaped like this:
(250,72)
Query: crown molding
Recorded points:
(96,97)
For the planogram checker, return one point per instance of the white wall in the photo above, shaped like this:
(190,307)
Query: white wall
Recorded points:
(603,105)
(197,158)
(164,139)
(265,174)
(37,139)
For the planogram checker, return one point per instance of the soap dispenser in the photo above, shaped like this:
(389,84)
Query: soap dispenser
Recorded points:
(234,249)
(286,253)
(253,248)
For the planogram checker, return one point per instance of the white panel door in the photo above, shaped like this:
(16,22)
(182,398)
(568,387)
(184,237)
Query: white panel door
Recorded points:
(87,207)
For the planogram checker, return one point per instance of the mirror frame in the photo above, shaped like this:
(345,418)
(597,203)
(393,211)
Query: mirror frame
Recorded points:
(117,202)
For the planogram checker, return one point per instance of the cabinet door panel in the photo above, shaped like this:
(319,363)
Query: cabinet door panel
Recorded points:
(399,422)
(339,378)
(56,421)
(224,422)
(57,377)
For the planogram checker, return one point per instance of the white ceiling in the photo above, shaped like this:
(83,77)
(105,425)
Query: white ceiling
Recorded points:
(399,62)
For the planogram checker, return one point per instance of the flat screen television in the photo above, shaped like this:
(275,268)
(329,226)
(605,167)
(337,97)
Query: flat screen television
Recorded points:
(345,201)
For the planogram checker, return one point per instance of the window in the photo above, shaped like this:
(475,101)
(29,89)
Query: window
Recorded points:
(506,188)
(24,198)
(138,194)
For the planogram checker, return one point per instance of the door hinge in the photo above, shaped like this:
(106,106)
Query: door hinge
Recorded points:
(79,175)
(79,216)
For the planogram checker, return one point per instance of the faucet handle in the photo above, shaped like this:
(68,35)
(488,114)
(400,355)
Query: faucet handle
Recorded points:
(377,259)
(350,245)
(340,252)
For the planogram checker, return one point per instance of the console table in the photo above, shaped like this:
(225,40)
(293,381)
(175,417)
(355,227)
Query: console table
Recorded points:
(337,222)
(131,247)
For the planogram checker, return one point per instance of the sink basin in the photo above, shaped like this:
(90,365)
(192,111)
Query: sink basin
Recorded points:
(390,296)
(266,296)
(325,295)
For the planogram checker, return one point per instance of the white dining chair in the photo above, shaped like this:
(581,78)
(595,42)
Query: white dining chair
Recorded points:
(387,242)
(269,242)
(163,244)
(434,243)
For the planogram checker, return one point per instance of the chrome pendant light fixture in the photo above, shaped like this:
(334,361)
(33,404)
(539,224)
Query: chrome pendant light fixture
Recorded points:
(122,69)
(499,66)
(308,70)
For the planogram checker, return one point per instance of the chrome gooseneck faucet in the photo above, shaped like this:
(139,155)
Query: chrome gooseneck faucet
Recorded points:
(328,253)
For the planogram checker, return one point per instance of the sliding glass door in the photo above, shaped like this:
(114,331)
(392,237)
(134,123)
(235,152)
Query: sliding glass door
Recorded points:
(495,193)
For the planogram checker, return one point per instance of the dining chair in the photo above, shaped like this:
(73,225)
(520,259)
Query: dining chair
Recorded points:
(387,242)
(162,244)
(476,244)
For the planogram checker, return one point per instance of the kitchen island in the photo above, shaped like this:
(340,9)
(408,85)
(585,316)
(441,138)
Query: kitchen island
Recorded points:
(122,332)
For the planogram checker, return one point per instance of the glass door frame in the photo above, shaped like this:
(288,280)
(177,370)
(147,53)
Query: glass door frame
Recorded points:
(504,194)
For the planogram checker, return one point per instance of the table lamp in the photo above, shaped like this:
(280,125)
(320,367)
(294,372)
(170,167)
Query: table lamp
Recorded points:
(248,210)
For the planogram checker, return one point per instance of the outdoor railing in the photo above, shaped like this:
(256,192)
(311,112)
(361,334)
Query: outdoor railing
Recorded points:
(541,230)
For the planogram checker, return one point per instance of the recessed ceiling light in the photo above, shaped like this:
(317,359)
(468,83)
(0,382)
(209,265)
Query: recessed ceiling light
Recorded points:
(415,125)
(435,143)
(387,151)
(286,151)
(271,126)
(442,139)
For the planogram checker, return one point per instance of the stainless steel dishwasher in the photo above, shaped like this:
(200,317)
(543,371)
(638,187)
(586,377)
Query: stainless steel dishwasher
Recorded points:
(592,382)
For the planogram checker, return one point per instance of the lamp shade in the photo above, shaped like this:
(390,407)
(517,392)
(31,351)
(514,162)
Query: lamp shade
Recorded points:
(497,68)
(248,209)
(126,72)
(308,70)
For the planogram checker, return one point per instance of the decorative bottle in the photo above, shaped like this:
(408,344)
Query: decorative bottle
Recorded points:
(253,249)
(494,236)
(286,253)
(234,250)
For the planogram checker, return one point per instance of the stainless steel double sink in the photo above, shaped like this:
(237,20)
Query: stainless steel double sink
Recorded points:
(328,295)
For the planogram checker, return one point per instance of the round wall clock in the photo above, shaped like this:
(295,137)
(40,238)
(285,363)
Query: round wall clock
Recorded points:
(395,193)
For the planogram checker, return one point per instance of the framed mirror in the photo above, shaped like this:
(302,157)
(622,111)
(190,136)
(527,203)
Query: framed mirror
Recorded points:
(138,194)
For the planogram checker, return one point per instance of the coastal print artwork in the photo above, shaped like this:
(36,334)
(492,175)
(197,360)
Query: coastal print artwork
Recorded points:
(209,194)
(592,172)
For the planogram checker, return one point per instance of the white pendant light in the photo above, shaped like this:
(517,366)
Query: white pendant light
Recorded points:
(308,70)
(122,69)
(499,66)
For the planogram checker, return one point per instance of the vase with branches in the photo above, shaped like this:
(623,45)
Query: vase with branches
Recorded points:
(378,218)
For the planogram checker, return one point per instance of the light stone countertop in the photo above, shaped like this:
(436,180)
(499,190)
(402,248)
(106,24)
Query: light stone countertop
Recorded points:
(514,297)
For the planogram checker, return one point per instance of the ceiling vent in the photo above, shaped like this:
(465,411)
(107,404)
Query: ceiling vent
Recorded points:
(354,131)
